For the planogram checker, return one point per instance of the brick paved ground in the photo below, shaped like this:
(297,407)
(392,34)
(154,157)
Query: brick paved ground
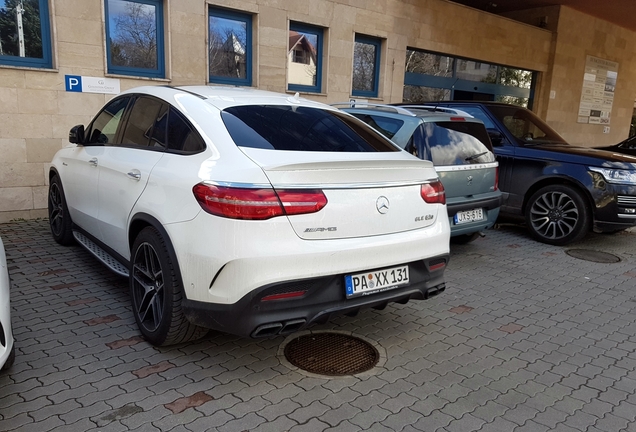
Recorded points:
(525,338)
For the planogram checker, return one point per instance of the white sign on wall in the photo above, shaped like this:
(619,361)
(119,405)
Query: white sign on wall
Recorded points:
(85,84)
(597,96)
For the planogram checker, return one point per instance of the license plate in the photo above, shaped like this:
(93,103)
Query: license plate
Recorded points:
(376,281)
(469,216)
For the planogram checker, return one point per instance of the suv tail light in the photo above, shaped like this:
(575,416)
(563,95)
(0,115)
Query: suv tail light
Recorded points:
(497,179)
(257,204)
(433,193)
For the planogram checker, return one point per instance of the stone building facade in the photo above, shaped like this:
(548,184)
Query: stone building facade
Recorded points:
(80,39)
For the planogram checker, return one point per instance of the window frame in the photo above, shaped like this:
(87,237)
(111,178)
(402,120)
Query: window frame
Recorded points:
(160,71)
(319,32)
(46,62)
(236,16)
(377,42)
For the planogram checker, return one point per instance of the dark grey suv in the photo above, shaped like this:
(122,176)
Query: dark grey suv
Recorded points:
(459,147)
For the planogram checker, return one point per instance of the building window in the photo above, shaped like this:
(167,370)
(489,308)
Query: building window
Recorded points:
(25,35)
(134,37)
(304,58)
(230,47)
(366,66)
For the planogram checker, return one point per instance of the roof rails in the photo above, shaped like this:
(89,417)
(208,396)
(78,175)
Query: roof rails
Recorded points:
(200,96)
(353,104)
(436,108)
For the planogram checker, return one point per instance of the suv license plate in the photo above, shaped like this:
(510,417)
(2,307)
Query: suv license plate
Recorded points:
(469,216)
(376,281)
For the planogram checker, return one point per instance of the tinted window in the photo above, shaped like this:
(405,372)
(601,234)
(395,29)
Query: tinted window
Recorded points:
(457,143)
(139,127)
(181,137)
(103,129)
(301,129)
(524,125)
(387,126)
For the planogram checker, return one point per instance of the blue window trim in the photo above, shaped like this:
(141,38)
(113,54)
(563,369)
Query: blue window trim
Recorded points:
(369,40)
(160,71)
(319,33)
(247,19)
(47,59)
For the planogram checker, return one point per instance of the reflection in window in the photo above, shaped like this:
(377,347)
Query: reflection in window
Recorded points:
(229,48)
(458,143)
(304,53)
(476,71)
(416,94)
(104,128)
(513,100)
(366,66)
(24,33)
(421,62)
(135,37)
(515,77)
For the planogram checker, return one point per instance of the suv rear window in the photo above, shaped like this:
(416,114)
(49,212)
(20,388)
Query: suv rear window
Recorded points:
(281,127)
(455,143)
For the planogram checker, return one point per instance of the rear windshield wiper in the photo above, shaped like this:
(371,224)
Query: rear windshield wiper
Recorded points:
(475,156)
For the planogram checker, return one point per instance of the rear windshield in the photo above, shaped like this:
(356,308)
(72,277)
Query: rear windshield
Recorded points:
(456,143)
(280,127)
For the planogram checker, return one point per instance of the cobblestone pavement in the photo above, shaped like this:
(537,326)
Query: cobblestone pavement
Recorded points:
(525,338)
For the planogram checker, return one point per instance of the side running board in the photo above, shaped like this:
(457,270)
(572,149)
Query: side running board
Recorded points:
(99,253)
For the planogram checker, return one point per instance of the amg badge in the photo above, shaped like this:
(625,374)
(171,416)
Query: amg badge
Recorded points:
(321,229)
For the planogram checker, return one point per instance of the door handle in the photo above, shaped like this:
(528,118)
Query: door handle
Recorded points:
(134,174)
(93,162)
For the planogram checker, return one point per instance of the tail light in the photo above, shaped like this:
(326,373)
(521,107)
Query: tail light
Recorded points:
(433,192)
(497,179)
(257,204)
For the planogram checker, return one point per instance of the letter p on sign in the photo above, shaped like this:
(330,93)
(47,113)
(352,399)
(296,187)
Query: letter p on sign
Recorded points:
(73,83)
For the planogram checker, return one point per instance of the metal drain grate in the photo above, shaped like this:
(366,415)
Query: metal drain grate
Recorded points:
(331,354)
(593,256)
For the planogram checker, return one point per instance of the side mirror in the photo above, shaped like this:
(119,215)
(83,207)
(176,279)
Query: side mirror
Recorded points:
(496,137)
(76,134)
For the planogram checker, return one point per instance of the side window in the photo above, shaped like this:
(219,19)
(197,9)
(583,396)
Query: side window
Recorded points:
(181,137)
(25,33)
(478,114)
(386,125)
(134,37)
(366,66)
(230,47)
(304,58)
(103,130)
(141,121)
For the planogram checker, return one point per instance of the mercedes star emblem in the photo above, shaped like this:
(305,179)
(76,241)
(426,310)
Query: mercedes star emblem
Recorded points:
(382,204)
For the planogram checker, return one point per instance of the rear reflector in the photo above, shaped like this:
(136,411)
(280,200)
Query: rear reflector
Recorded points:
(283,296)
(433,193)
(256,204)
(437,266)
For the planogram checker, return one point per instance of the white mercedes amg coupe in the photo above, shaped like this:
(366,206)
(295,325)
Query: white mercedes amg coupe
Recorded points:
(247,212)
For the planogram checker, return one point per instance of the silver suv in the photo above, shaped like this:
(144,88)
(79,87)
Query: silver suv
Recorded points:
(459,147)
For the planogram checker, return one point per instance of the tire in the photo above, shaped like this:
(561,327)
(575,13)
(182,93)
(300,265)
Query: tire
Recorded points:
(10,359)
(59,217)
(156,293)
(557,215)
(464,238)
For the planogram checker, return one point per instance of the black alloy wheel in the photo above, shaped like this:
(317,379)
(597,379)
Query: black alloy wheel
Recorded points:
(59,217)
(557,215)
(148,287)
(156,292)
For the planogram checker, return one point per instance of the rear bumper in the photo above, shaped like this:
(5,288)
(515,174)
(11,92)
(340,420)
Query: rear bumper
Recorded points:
(324,297)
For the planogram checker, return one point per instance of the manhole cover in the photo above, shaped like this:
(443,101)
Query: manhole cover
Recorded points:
(331,354)
(594,256)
